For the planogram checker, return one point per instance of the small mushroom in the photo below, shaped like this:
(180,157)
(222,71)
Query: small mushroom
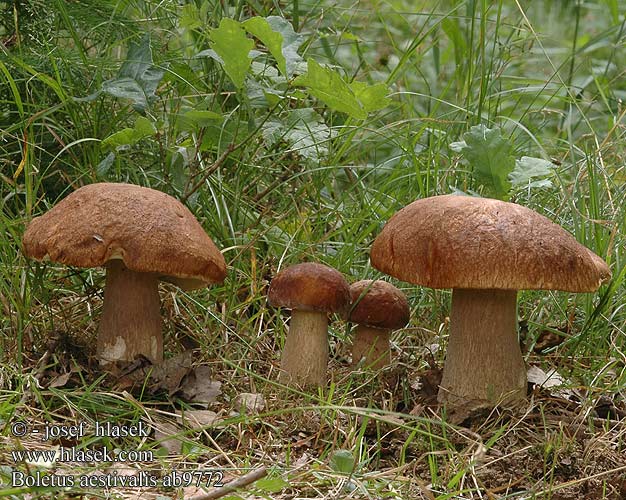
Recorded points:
(311,291)
(485,250)
(377,309)
(140,236)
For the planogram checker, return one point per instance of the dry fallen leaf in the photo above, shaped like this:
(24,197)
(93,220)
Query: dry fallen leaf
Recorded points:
(164,433)
(550,381)
(198,419)
(197,386)
(169,374)
(248,402)
(60,380)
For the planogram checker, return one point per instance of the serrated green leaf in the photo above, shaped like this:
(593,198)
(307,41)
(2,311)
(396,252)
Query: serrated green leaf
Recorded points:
(281,40)
(271,484)
(138,78)
(232,46)
(491,157)
(304,130)
(328,86)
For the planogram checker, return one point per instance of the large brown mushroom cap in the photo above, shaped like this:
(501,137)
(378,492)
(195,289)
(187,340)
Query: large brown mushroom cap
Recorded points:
(378,304)
(466,242)
(147,229)
(310,286)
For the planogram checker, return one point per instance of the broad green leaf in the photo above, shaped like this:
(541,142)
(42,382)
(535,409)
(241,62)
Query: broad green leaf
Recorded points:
(281,40)
(201,118)
(528,169)
(232,46)
(105,165)
(144,127)
(491,157)
(128,136)
(124,137)
(328,86)
(372,97)
(138,78)
(271,484)
(190,17)
(356,99)
(342,461)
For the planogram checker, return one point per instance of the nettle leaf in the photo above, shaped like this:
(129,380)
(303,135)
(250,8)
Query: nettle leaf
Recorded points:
(281,40)
(138,77)
(491,157)
(128,136)
(304,130)
(356,99)
(528,169)
(232,46)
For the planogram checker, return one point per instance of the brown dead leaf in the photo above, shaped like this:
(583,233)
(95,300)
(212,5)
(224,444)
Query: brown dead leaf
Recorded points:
(169,374)
(60,380)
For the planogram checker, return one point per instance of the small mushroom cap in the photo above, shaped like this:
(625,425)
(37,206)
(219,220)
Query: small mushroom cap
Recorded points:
(148,230)
(378,304)
(310,287)
(467,242)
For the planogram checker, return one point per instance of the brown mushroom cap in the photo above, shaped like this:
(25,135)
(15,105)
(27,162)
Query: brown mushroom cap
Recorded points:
(310,287)
(378,304)
(466,242)
(147,229)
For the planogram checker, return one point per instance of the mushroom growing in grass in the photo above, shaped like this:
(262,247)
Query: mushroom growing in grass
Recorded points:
(377,309)
(140,236)
(311,291)
(485,250)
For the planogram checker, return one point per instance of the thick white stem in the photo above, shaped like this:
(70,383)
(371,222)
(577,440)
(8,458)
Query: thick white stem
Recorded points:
(131,316)
(305,357)
(484,362)
(372,345)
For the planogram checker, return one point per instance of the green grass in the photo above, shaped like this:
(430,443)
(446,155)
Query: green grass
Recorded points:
(549,76)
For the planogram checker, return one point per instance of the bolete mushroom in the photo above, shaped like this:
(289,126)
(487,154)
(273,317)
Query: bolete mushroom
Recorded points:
(140,236)
(311,291)
(377,308)
(485,250)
